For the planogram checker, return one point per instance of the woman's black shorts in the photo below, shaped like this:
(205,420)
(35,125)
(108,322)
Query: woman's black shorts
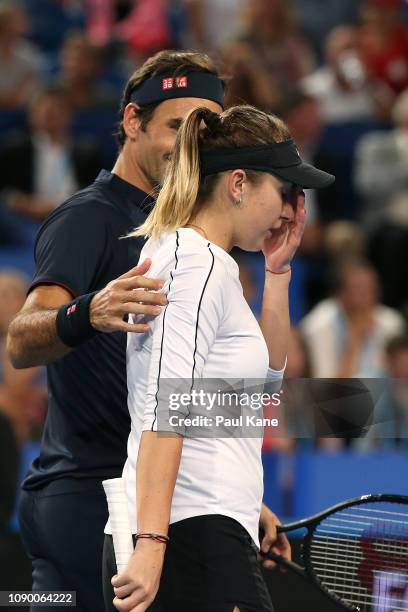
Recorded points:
(210,566)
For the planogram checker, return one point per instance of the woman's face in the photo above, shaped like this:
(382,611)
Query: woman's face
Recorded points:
(263,208)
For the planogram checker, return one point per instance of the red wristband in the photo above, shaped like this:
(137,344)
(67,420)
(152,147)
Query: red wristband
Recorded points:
(272,272)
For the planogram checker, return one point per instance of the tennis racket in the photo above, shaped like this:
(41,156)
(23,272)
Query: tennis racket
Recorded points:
(356,553)
(115,491)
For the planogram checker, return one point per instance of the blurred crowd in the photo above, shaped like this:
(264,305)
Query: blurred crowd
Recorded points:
(336,71)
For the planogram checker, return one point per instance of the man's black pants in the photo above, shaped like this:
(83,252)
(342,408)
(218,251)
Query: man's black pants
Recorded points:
(63,534)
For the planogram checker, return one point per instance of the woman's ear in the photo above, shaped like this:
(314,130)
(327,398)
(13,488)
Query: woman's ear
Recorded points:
(236,189)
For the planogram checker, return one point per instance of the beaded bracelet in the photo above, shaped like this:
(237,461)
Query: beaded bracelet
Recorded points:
(153,536)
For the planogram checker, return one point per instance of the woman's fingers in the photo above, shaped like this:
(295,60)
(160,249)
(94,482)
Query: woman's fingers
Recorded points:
(298,226)
(119,580)
(123,591)
(134,600)
(282,546)
(268,564)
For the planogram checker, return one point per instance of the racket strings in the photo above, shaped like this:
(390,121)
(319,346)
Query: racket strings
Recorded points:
(360,554)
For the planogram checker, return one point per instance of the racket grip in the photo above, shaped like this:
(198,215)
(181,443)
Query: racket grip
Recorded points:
(115,491)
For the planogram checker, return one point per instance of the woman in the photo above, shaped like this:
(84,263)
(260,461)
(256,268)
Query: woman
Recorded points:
(234,183)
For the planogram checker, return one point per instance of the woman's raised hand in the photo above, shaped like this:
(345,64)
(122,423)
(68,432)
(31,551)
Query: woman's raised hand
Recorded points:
(281,247)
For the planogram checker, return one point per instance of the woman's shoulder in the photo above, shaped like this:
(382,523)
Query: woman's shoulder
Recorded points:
(186,252)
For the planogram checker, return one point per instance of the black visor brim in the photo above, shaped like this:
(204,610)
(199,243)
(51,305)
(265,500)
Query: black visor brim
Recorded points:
(306,176)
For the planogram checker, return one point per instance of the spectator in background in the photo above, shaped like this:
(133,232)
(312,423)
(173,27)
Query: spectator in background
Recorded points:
(344,237)
(146,29)
(302,408)
(341,239)
(337,238)
(383,41)
(51,20)
(295,412)
(269,54)
(22,392)
(42,167)
(397,367)
(13,287)
(390,426)
(102,16)
(211,23)
(388,249)
(319,18)
(144,26)
(22,412)
(397,360)
(381,166)
(340,85)
(9,472)
(81,67)
(20,61)
(298,361)
(297,415)
(346,334)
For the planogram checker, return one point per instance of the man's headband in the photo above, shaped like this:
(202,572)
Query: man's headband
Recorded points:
(281,159)
(191,85)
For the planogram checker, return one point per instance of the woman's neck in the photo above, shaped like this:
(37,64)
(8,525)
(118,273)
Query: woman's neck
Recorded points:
(215,226)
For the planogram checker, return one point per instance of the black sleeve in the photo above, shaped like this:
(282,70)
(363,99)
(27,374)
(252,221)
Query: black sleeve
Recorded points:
(73,247)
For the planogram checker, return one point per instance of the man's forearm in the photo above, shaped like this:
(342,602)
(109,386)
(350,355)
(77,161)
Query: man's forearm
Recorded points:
(274,321)
(157,468)
(32,339)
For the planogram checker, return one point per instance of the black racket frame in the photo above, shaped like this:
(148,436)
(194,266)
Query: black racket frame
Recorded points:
(307,572)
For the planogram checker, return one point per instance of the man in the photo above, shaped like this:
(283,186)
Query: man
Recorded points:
(381,175)
(43,166)
(340,86)
(78,252)
(81,68)
(20,61)
(383,44)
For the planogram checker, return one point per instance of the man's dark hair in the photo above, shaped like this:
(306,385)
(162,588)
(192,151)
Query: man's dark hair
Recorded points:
(175,63)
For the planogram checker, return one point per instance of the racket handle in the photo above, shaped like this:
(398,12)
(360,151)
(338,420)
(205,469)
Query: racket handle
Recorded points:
(272,556)
(115,491)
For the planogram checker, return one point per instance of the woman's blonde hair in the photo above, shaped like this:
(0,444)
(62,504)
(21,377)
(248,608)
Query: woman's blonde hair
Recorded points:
(183,191)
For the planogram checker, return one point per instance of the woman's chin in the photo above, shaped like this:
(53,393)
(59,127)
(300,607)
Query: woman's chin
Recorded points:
(252,246)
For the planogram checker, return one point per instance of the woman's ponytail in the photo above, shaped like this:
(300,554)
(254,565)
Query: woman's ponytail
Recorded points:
(178,196)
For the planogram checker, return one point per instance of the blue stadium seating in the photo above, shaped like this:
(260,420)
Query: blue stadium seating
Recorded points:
(322,478)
